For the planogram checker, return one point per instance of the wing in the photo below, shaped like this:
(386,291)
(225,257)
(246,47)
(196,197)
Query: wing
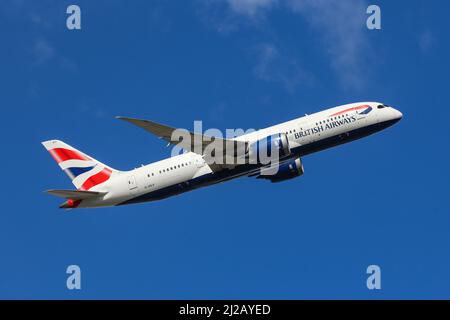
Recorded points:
(75,194)
(195,142)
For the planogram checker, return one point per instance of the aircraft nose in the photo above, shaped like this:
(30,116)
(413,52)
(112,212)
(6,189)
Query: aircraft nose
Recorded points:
(397,114)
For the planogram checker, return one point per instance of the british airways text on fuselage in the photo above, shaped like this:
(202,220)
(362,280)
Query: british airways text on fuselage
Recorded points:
(324,127)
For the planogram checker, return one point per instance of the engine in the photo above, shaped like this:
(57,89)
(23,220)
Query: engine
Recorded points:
(287,170)
(271,148)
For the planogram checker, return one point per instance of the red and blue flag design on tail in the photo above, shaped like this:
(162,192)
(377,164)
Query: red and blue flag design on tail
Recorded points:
(96,179)
(63,154)
(84,171)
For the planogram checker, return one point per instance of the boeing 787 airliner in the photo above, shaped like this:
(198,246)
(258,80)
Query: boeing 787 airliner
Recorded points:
(99,185)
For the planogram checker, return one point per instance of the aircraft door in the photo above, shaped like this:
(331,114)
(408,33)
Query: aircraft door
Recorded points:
(361,117)
(132,184)
(199,162)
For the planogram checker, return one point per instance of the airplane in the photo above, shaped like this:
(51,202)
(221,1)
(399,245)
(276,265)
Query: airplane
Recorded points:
(99,185)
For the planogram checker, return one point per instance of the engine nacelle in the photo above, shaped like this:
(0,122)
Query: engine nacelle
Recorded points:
(287,170)
(272,147)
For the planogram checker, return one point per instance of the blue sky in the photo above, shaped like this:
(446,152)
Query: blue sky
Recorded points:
(233,64)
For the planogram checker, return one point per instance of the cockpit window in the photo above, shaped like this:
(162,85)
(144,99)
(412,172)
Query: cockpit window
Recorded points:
(381,106)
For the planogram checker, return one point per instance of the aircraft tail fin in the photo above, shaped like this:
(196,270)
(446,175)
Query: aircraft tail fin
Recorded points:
(84,171)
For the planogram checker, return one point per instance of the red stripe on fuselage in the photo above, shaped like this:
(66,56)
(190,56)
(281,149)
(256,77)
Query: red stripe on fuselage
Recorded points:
(349,109)
(61,155)
(96,179)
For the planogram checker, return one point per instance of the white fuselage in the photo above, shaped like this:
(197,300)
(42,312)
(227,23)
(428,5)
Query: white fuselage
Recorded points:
(188,171)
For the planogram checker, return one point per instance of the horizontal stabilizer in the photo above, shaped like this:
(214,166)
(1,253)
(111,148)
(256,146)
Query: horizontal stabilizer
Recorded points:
(75,194)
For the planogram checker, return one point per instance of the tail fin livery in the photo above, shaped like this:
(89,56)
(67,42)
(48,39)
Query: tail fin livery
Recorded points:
(84,171)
